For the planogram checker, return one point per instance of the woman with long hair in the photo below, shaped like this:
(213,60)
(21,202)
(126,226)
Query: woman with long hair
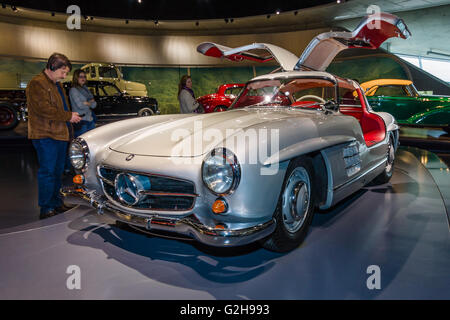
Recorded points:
(82,101)
(186,96)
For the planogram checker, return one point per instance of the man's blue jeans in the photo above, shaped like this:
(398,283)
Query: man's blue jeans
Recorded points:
(51,156)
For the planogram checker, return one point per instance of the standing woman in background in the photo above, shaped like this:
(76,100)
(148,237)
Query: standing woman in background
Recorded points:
(83,102)
(186,96)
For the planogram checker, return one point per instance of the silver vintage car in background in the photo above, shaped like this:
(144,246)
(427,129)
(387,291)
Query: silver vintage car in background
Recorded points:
(293,141)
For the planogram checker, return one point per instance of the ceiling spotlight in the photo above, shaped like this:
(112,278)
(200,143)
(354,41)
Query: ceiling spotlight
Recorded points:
(197,23)
(277,12)
(226,20)
(338,1)
(139,1)
(268,16)
(14,8)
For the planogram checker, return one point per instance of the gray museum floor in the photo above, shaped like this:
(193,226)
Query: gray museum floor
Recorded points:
(402,227)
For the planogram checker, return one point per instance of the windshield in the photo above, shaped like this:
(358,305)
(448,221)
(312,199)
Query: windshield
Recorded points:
(300,92)
(107,72)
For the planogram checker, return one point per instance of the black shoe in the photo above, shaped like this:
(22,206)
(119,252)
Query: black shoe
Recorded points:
(63,208)
(47,214)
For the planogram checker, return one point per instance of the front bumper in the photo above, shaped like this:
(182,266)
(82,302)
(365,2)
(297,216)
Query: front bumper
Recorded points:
(188,226)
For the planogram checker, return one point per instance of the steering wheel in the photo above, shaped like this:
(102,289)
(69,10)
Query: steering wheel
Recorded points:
(311,96)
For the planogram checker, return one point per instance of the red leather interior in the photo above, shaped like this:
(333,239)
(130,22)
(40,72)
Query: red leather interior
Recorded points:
(372,125)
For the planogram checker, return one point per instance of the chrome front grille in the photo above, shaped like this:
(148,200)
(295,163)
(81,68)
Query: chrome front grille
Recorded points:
(147,191)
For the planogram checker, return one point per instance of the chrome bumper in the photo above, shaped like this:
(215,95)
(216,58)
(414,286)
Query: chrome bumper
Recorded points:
(187,226)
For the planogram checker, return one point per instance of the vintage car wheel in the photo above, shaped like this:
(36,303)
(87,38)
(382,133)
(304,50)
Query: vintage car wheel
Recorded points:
(295,207)
(386,175)
(8,117)
(220,109)
(145,112)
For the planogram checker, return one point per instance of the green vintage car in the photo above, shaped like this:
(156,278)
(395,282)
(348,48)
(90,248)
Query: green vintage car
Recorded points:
(401,99)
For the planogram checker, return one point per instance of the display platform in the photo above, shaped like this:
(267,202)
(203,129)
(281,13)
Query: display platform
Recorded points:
(401,227)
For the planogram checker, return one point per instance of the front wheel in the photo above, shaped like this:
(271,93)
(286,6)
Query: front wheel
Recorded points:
(145,112)
(8,117)
(295,207)
(388,171)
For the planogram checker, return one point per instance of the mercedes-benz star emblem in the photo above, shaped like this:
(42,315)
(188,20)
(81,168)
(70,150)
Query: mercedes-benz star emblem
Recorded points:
(128,188)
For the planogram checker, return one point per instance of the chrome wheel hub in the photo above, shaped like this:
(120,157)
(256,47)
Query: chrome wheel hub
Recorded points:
(296,199)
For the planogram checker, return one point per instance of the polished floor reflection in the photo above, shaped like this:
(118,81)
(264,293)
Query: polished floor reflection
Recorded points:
(402,227)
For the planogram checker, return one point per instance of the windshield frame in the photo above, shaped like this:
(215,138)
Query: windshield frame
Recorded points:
(332,79)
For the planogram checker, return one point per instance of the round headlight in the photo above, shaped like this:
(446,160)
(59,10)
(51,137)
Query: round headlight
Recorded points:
(221,171)
(78,154)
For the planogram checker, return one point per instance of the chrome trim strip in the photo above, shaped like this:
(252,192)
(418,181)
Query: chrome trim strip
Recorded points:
(169,194)
(360,176)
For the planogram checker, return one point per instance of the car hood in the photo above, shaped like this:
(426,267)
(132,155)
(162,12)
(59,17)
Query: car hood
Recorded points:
(191,136)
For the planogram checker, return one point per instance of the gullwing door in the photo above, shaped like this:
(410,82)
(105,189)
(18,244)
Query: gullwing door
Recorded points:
(259,52)
(371,32)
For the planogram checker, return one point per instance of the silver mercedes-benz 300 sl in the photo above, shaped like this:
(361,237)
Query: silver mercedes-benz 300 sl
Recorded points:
(293,142)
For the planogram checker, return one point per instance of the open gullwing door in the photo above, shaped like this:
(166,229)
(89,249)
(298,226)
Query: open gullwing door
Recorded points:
(259,52)
(371,32)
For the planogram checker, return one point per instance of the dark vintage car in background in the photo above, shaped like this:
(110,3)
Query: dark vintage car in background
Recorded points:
(401,99)
(12,108)
(222,99)
(113,104)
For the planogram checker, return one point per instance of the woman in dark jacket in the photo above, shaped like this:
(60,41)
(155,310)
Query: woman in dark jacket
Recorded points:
(82,101)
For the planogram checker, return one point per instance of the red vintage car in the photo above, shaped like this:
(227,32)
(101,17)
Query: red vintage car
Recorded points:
(222,99)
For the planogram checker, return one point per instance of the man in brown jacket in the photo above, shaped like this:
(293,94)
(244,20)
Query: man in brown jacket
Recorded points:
(49,127)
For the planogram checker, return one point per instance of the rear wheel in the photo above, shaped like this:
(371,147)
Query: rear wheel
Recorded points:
(386,175)
(145,112)
(8,117)
(295,207)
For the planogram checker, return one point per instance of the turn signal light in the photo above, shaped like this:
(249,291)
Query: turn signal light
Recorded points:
(219,206)
(78,179)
